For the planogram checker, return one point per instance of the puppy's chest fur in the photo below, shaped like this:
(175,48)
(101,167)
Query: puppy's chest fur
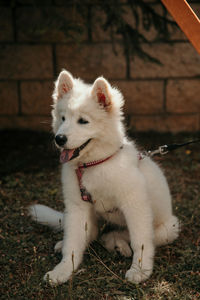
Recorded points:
(99,188)
(104,199)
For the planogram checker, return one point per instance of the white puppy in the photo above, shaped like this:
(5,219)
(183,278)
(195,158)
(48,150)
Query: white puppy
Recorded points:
(103,176)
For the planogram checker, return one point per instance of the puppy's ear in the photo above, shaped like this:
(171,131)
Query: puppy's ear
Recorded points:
(63,84)
(101,92)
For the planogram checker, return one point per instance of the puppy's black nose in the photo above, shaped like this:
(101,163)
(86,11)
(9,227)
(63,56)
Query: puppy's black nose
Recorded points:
(60,139)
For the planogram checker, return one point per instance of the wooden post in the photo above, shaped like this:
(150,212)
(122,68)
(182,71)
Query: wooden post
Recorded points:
(186,19)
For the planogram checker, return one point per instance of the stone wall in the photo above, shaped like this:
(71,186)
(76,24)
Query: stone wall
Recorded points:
(163,97)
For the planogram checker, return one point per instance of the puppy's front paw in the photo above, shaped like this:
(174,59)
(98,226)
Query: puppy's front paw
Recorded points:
(58,275)
(136,275)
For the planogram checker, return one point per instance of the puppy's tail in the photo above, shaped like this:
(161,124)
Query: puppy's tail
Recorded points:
(46,216)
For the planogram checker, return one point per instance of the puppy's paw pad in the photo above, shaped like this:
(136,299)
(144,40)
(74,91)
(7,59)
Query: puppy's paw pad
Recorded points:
(123,248)
(112,242)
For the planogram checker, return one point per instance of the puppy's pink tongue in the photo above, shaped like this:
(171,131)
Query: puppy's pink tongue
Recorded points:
(66,155)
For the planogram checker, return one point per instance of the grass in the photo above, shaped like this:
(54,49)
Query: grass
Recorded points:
(29,171)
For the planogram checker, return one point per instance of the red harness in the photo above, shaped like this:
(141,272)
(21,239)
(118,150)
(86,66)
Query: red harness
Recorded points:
(85,195)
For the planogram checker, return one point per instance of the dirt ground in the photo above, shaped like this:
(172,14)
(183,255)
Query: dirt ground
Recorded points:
(30,172)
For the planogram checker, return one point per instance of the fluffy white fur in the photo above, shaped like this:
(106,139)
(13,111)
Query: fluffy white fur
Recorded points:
(125,190)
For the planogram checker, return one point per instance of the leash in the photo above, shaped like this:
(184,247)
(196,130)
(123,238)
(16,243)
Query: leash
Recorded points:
(164,149)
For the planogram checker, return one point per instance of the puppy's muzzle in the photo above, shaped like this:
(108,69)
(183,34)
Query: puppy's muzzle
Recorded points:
(60,139)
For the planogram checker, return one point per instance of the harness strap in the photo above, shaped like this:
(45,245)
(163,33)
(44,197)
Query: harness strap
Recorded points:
(162,150)
(85,195)
(94,163)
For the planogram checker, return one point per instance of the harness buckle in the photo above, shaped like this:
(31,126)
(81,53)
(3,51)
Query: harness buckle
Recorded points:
(163,149)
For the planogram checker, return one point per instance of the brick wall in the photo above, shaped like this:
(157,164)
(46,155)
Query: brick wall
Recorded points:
(162,97)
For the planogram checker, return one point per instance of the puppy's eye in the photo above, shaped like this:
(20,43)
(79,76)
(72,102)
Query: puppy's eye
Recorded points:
(82,121)
(63,119)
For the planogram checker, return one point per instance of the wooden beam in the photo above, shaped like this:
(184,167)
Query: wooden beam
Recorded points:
(186,19)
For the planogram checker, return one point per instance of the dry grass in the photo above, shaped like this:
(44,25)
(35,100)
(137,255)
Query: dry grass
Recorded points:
(29,172)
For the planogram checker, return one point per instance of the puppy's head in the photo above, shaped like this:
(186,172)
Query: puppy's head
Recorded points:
(84,114)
